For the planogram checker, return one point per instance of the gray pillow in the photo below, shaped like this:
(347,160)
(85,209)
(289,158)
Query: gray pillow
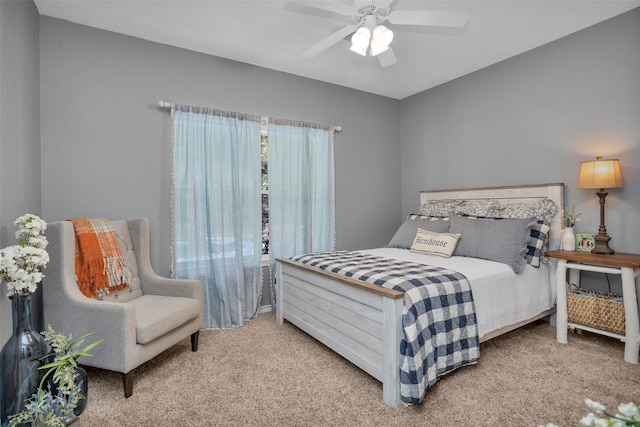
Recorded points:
(406,234)
(502,240)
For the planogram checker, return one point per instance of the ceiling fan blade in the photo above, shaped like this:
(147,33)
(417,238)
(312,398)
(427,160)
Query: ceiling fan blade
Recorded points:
(329,41)
(387,58)
(321,6)
(436,18)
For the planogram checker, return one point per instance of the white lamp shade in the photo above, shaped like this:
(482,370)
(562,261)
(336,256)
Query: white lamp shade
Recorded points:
(600,174)
(361,37)
(382,36)
(380,39)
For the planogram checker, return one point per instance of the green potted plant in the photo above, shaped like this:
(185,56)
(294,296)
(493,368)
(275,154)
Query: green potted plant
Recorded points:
(61,396)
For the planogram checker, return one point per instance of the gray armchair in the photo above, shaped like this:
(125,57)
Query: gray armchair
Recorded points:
(139,322)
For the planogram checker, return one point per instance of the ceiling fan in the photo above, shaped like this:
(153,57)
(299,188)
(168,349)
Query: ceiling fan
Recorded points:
(367,33)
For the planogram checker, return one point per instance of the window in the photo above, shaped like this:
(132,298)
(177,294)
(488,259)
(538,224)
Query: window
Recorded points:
(264,142)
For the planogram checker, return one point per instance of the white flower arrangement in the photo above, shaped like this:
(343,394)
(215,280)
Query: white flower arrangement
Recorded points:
(20,264)
(628,415)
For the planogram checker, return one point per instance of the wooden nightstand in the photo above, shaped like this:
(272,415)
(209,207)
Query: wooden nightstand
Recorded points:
(627,266)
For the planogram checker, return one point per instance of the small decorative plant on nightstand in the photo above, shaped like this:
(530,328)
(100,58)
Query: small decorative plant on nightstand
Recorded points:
(569,220)
(61,396)
(570,217)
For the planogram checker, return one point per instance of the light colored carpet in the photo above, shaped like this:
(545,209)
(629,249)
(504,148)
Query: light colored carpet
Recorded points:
(263,374)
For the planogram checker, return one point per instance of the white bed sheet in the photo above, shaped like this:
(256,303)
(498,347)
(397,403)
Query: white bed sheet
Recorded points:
(501,297)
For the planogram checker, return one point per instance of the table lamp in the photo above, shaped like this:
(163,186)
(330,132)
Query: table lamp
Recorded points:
(601,174)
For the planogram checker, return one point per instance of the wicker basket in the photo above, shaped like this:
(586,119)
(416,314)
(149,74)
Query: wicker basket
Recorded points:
(597,311)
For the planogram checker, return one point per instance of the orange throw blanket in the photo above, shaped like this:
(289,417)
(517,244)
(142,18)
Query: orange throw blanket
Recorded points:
(100,268)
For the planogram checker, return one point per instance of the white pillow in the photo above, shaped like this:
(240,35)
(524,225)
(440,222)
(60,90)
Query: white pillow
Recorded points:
(440,244)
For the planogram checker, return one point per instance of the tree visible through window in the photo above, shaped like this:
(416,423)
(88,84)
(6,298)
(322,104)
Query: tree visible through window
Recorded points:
(265,194)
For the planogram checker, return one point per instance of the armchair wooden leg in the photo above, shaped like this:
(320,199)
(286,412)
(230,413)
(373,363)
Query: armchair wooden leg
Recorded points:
(127,382)
(194,341)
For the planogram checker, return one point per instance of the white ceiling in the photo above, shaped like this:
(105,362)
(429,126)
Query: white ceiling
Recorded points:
(269,34)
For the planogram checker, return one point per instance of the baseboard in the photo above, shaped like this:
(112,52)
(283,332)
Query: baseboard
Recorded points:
(264,309)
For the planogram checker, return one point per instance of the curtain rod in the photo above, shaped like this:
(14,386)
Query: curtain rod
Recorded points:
(172,106)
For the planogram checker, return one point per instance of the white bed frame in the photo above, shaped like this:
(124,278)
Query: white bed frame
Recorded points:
(362,322)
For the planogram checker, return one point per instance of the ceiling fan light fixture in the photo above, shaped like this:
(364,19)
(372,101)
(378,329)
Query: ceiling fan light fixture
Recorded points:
(367,34)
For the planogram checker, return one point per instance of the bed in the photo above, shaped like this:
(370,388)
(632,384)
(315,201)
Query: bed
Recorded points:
(363,321)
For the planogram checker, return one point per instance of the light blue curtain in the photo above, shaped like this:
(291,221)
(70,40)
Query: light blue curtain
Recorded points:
(216,210)
(301,191)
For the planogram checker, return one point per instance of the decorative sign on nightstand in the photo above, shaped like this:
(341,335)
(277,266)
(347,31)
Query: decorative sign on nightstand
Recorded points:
(585,242)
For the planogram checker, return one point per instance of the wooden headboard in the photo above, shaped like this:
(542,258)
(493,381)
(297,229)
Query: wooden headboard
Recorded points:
(506,195)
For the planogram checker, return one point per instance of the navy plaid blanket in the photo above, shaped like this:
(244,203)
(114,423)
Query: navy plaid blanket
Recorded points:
(438,317)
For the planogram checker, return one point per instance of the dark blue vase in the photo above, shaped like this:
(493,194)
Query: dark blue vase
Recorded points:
(81,382)
(82,386)
(20,359)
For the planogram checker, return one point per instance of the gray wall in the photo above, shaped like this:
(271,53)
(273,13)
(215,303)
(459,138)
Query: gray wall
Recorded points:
(533,119)
(106,145)
(19,129)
